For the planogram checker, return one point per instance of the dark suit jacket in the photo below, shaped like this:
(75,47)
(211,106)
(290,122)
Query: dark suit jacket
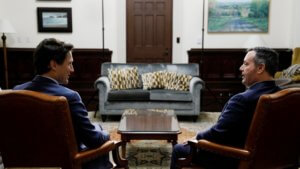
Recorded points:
(87,135)
(234,121)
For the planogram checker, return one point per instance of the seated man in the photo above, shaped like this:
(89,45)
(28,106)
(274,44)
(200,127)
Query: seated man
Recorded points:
(53,63)
(258,70)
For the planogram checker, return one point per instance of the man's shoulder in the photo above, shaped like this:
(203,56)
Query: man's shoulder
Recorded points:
(67,92)
(256,91)
(22,86)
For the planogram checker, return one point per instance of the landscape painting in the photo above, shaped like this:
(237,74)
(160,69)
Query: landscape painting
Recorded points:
(238,16)
(54,19)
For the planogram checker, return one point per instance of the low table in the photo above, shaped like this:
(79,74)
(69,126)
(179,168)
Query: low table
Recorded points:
(150,124)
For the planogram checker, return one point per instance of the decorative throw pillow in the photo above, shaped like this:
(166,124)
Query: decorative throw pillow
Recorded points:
(174,81)
(126,78)
(183,82)
(153,80)
(170,80)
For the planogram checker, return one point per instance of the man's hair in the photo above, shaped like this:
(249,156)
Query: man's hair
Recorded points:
(266,56)
(47,50)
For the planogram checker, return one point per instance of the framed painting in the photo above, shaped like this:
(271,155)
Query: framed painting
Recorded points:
(54,19)
(238,16)
(53,0)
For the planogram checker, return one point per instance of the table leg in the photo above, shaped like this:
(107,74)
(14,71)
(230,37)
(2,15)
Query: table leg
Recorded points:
(124,149)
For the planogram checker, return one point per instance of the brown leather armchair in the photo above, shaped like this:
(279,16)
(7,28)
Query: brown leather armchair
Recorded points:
(36,131)
(273,140)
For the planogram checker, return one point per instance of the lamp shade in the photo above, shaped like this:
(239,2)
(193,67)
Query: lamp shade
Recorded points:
(6,27)
(254,41)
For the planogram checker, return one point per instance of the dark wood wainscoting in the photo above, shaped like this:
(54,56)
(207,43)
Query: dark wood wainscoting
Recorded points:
(219,68)
(87,65)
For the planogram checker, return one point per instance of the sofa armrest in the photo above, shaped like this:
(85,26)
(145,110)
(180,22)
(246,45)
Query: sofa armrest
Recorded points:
(103,85)
(196,81)
(196,85)
(102,81)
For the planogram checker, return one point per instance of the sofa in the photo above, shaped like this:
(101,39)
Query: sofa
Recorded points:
(184,101)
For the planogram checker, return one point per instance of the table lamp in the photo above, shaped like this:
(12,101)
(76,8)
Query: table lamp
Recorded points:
(5,27)
(254,41)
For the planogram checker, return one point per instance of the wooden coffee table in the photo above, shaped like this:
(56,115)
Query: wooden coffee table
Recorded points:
(150,124)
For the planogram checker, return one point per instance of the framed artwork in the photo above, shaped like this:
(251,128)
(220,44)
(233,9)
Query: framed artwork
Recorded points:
(238,16)
(54,19)
(53,0)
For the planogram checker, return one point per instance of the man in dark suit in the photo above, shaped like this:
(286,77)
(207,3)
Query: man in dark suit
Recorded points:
(54,64)
(258,69)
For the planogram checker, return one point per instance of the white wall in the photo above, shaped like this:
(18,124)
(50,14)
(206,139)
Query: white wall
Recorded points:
(23,16)
(284,26)
(295,25)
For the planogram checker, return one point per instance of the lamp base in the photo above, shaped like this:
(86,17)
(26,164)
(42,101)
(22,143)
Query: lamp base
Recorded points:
(5,60)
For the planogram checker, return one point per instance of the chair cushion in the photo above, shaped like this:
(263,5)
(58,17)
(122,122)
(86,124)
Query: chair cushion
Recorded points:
(128,95)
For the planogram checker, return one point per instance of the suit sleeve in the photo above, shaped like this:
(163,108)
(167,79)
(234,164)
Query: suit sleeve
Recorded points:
(230,122)
(85,131)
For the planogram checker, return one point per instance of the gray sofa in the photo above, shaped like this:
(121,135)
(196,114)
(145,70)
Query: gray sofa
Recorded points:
(114,102)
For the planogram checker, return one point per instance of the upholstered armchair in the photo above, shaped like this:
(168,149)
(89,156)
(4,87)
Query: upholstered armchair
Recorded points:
(290,77)
(36,131)
(273,139)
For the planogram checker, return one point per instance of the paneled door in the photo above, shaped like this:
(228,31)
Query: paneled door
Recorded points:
(149,31)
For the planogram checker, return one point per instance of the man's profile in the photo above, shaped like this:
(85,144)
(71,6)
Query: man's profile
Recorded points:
(257,70)
(53,63)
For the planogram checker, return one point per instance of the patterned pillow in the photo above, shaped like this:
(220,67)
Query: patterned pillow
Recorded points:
(153,80)
(126,78)
(174,81)
(184,82)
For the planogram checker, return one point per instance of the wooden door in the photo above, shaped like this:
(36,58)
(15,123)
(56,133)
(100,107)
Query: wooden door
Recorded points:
(149,31)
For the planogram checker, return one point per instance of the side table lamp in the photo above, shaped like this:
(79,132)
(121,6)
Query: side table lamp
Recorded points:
(5,27)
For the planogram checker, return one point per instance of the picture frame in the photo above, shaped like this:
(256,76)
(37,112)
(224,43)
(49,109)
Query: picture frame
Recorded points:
(54,19)
(235,16)
(53,0)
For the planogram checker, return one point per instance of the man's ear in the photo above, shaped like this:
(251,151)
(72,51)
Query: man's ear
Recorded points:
(53,65)
(261,68)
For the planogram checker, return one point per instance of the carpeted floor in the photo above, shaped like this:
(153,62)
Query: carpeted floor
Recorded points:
(155,154)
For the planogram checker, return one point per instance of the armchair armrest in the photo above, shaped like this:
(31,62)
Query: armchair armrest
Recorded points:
(214,148)
(228,151)
(94,153)
(121,162)
(105,148)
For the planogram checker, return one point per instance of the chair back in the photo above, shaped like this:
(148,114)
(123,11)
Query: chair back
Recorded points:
(274,135)
(36,130)
(296,56)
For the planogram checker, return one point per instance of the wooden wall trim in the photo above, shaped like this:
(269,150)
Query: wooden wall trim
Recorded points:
(285,54)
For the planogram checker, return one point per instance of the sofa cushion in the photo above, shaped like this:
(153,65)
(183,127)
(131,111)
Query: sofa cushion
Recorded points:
(128,95)
(126,78)
(170,95)
(175,81)
(113,106)
(153,80)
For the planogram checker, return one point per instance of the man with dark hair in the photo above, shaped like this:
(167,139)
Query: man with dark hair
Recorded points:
(53,62)
(258,69)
